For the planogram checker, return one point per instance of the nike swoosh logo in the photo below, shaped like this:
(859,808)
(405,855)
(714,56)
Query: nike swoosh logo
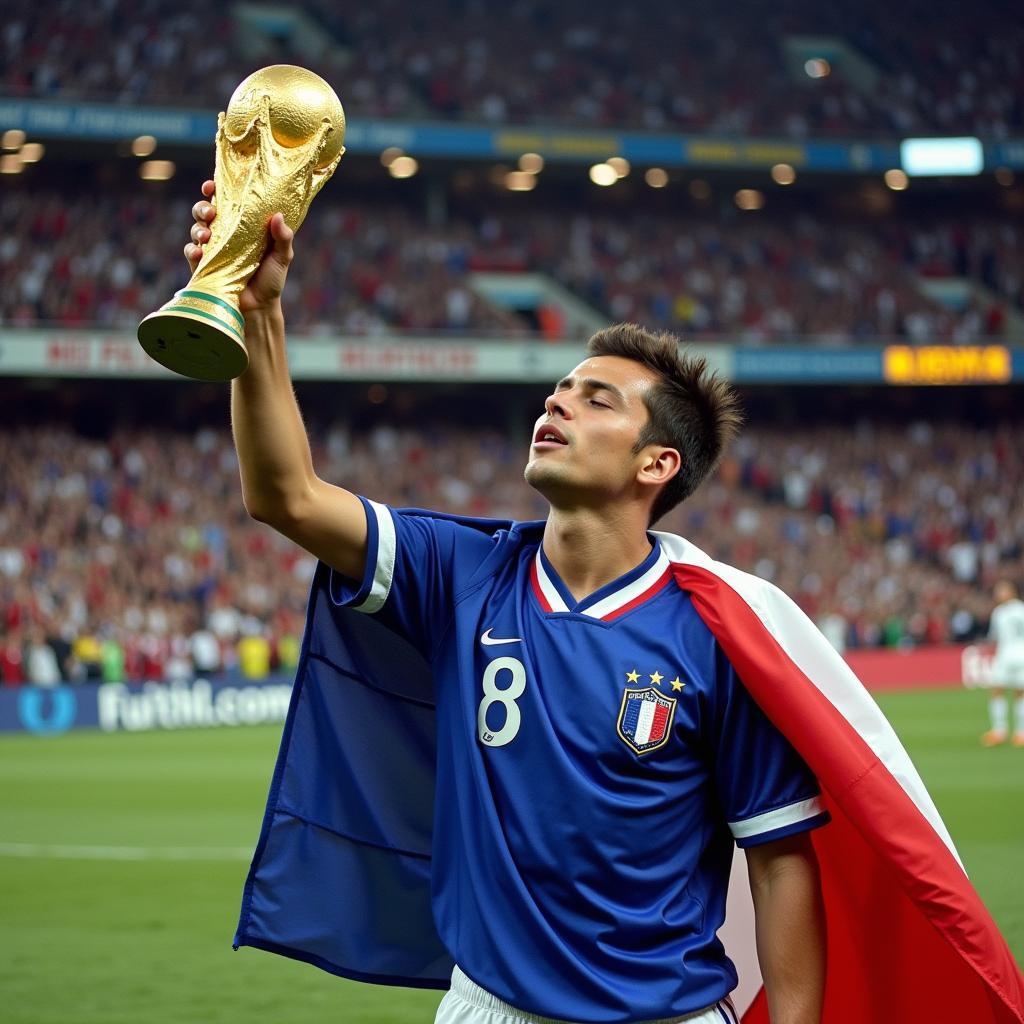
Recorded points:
(489,641)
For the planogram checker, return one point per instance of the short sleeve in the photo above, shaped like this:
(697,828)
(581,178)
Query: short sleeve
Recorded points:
(415,564)
(765,788)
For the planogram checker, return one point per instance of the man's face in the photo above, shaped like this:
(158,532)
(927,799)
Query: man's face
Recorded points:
(581,452)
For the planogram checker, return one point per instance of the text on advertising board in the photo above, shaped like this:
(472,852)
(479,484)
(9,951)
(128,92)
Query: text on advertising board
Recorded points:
(947,364)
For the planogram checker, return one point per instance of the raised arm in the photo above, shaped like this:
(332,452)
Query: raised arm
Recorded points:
(279,484)
(790,927)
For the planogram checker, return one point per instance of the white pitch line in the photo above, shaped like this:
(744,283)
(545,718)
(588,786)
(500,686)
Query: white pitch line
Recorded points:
(71,852)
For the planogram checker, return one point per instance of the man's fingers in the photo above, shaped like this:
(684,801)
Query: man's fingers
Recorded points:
(200,233)
(209,188)
(282,236)
(203,211)
(193,253)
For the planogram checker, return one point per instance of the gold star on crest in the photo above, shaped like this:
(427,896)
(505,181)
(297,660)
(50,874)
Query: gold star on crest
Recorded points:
(656,678)
(634,676)
(677,684)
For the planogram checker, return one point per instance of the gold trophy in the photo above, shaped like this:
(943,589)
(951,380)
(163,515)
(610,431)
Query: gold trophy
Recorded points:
(279,141)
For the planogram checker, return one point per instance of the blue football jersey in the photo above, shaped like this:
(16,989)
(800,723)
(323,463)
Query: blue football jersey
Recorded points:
(596,762)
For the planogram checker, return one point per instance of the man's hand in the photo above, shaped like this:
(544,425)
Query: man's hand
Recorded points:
(265,286)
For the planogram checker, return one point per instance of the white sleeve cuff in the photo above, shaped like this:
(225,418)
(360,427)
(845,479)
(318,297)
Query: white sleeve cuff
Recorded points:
(777,820)
(384,559)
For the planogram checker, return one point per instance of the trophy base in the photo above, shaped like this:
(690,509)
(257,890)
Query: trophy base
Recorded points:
(197,335)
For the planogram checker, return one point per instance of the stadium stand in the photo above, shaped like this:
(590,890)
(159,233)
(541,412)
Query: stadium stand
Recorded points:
(707,67)
(134,555)
(371,268)
(129,554)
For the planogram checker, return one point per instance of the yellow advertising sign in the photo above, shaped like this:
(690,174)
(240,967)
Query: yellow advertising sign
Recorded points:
(947,364)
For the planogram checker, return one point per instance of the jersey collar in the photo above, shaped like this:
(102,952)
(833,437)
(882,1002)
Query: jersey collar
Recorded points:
(610,601)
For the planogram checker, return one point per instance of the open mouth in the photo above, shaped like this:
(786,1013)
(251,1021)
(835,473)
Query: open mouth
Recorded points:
(548,436)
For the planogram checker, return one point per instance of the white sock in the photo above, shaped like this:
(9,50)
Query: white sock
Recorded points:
(999,713)
(1018,714)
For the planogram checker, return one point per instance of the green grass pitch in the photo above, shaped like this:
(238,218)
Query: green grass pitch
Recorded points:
(86,938)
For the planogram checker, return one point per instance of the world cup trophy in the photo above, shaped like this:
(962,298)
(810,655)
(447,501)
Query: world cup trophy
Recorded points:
(278,142)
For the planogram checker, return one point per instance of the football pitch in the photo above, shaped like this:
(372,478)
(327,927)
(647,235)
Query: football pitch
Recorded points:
(123,858)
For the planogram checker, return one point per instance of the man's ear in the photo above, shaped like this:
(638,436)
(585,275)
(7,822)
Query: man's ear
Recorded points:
(659,465)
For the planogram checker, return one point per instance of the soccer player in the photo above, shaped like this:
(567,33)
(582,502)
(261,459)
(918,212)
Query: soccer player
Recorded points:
(1006,629)
(597,755)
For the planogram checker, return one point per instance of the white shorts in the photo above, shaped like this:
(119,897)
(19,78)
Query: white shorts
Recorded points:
(467,1003)
(1008,670)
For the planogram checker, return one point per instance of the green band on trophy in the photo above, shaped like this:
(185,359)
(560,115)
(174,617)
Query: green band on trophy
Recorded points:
(186,294)
(278,143)
(207,316)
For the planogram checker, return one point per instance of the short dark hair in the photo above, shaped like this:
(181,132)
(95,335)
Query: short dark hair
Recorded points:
(691,408)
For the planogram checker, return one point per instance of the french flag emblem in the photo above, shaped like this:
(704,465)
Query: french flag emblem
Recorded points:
(645,719)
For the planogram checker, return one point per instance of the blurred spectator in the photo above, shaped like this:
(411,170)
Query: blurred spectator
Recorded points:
(41,667)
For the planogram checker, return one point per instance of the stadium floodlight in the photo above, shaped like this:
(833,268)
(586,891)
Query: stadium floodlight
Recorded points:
(13,138)
(144,145)
(31,152)
(954,156)
(619,164)
(531,163)
(656,177)
(603,174)
(749,199)
(157,170)
(10,163)
(783,174)
(520,181)
(896,179)
(390,155)
(403,167)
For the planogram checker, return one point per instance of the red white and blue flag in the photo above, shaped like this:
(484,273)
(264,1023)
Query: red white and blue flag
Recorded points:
(908,937)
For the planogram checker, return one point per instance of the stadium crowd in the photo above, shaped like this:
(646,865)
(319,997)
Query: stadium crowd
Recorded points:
(369,268)
(134,558)
(705,67)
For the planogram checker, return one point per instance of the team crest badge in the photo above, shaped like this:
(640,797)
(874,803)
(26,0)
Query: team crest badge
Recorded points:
(645,719)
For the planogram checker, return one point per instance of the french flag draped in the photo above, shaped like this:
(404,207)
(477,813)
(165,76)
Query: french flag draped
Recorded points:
(341,875)
(908,937)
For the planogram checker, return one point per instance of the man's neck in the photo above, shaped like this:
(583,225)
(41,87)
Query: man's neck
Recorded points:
(589,549)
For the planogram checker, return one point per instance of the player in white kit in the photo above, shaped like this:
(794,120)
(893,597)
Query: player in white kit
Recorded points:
(1007,631)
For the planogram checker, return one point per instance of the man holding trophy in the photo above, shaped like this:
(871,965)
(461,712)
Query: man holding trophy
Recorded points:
(519,755)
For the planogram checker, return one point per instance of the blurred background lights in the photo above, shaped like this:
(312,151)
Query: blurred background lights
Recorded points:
(13,138)
(403,167)
(620,165)
(783,174)
(959,155)
(817,67)
(603,174)
(700,190)
(1004,176)
(749,199)
(520,181)
(531,163)
(656,177)
(144,145)
(896,179)
(10,163)
(390,155)
(156,170)
(31,152)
